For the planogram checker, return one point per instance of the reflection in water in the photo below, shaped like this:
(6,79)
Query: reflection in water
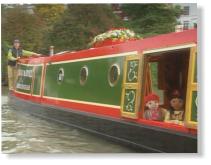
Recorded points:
(24,133)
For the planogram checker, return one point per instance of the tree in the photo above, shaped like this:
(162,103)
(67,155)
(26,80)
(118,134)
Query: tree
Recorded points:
(151,19)
(18,23)
(4,51)
(80,23)
(49,13)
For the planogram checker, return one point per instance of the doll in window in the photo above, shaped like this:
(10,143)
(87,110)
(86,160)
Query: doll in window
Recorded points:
(176,108)
(153,111)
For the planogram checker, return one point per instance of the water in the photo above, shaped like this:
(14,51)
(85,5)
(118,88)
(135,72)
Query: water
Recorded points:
(24,133)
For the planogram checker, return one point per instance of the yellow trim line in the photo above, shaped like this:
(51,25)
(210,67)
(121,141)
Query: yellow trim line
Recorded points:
(83,102)
(169,48)
(97,57)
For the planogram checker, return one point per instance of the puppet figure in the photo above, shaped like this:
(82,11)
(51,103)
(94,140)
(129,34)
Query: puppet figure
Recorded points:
(176,106)
(153,111)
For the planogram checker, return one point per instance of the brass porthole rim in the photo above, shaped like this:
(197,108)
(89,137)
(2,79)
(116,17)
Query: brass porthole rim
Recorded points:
(62,70)
(118,70)
(87,74)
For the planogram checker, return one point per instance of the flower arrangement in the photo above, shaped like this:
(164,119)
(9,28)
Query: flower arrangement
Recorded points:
(114,36)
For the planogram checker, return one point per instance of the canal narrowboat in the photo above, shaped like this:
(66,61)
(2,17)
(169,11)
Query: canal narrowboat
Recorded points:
(102,90)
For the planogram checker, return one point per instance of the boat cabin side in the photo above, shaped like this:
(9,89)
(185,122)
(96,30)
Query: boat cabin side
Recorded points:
(162,71)
(116,85)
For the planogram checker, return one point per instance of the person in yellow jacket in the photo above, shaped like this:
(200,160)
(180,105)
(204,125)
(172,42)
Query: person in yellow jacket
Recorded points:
(13,55)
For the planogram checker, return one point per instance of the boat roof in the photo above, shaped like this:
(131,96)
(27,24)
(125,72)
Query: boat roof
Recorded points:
(151,43)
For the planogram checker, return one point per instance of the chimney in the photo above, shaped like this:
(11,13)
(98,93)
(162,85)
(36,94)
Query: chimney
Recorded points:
(51,50)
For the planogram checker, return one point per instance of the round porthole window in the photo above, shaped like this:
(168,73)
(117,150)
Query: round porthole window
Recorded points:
(60,76)
(83,75)
(113,75)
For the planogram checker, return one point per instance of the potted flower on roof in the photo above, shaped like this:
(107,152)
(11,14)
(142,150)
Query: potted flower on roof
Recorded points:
(114,36)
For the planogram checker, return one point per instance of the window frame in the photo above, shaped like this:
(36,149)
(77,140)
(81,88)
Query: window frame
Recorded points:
(170,126)
(132,86)
(186,10)
(192,86)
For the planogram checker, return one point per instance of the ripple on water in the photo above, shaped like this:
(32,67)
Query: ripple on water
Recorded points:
(24,133)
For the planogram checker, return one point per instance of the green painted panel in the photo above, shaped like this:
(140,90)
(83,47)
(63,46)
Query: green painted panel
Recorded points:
(132,71)
(129,100)
(37,80)
(24,79)
(194,107)
(97,87)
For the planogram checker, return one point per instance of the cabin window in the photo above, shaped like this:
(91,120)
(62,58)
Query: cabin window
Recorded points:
(83,75)
(113,75)
(186,10)
(166,75)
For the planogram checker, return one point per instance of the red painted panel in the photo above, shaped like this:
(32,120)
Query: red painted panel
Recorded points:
(104,111)
(28,97)
(100,110)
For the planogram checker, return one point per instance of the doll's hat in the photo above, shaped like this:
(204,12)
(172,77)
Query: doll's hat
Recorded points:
(176,94)
(151,97)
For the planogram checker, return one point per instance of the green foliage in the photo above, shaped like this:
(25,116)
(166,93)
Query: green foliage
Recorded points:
(80,23)
(4,51)
(151,19)
(72,27)
(49,13)
(18,23)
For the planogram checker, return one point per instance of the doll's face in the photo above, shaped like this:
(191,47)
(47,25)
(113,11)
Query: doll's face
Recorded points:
(153,104)
(176,103)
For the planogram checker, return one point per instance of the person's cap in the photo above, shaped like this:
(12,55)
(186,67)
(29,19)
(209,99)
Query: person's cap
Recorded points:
(16,41)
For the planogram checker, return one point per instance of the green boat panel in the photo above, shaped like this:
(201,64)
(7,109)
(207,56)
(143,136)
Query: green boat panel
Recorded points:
(24,79)
(194,106)
(96,88)
(132,71)
(37,80)
(129,100)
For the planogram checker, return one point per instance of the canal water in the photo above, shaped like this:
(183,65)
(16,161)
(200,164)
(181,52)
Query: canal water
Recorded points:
(24,133)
